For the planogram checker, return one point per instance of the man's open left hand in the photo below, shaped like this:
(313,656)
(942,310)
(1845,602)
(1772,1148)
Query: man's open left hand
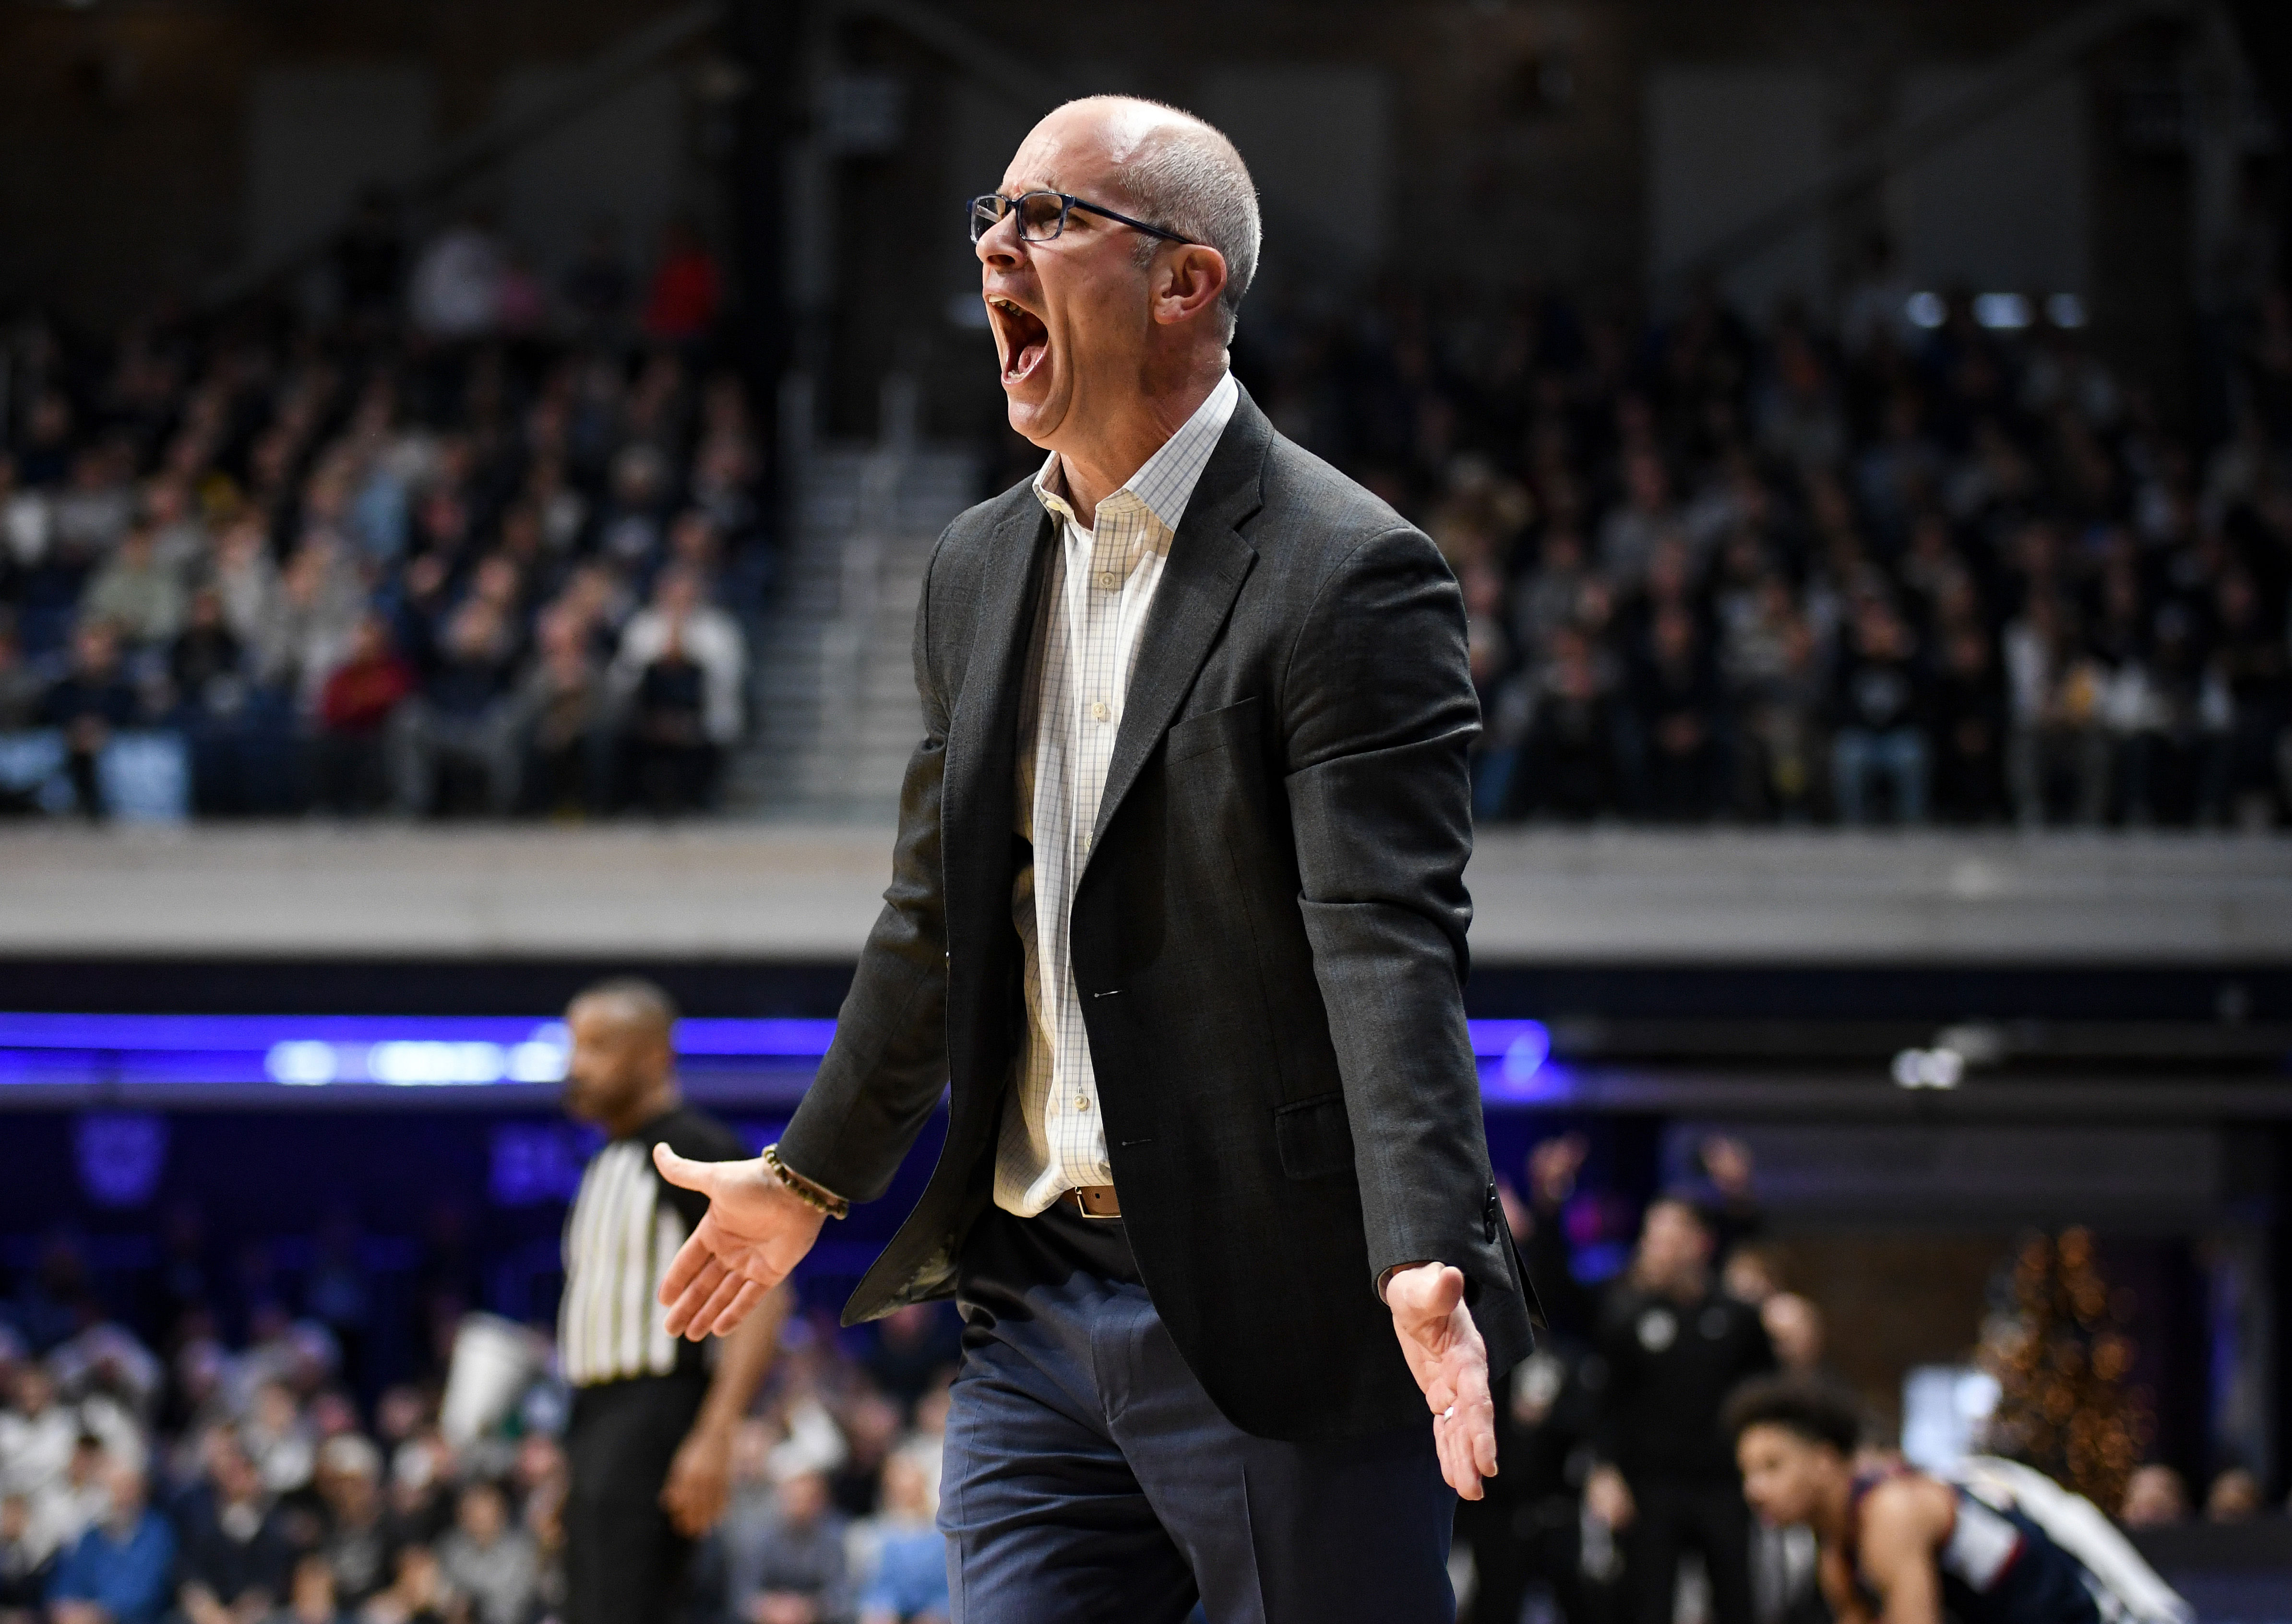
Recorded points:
(1451,1362)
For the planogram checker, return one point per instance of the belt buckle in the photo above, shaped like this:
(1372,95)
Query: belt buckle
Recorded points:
(1075,1197)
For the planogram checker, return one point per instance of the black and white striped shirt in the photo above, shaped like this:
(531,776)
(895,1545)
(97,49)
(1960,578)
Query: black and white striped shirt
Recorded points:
(626,1226)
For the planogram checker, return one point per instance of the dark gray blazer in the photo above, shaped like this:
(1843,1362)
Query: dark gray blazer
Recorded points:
(1269,940)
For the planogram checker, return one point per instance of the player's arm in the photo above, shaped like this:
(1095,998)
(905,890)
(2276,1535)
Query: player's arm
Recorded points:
(1903,1525)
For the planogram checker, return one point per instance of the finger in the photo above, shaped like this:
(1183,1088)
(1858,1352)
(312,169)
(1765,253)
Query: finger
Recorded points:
(695,1295)
(689,1260)
(1457,1462)
(1477,1407)
(711,1318)
(1484,1445)
(700,1321)
(700,1176)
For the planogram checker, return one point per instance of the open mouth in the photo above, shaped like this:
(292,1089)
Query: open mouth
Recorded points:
(1024,338)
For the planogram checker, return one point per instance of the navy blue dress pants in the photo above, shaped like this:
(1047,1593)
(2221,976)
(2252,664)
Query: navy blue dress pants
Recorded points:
(1088,1478)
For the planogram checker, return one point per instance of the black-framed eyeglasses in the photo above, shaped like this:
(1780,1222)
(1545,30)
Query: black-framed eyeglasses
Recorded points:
(1043,215)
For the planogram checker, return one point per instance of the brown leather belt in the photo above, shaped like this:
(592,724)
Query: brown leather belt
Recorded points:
(1093,1201)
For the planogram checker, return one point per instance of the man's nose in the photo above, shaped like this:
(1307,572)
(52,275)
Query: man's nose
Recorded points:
(998,246)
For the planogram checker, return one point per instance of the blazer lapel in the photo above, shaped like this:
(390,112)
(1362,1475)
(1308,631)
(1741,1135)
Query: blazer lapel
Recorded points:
(976,801)
(1209,560)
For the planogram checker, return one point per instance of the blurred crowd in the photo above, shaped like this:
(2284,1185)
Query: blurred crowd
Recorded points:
(1620,1501)
(1933,561)
(158,1474)
(215,1486)
(454,541)
(466,540)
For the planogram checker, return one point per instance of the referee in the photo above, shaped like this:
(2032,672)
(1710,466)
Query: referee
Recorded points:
(651,1435)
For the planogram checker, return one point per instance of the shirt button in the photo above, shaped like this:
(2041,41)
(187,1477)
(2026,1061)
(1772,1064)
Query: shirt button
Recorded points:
(1107,579)
(1098,710)
(1082,1104)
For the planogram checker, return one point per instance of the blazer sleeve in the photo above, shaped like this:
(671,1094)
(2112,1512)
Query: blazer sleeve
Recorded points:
(887,1066)
(1378,705)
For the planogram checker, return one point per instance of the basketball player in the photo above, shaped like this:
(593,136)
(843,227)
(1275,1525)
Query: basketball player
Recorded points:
(1898,1547)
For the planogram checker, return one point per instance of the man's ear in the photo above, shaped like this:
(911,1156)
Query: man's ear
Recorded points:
(1187,282)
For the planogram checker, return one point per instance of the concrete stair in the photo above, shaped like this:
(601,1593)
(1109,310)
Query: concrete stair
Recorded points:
(834,695)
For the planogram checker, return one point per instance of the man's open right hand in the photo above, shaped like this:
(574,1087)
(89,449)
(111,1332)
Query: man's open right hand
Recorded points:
(755,1232)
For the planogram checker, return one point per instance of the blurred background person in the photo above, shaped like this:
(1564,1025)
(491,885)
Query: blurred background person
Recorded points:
(650,1438)
(118,1571)
(1672,1347)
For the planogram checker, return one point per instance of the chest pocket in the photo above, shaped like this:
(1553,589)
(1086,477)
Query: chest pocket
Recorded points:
(1230,728)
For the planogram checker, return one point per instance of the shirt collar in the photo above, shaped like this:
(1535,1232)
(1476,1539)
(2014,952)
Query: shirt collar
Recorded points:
(1165,482)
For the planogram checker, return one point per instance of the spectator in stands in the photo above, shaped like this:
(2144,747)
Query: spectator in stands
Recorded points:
(359,1540)
(1775,669)
(418,1594)
(27,1561)
(38,1433)
(2058,756)
(90,702)
(1628,536)
(679,674)
(456,286)
(235,1552)
(118,1570)
(20,687)
(76,1503)
(787,1565)
(207,664)
(278,1438)
(138,592)
(245,577)
(908,1581)
(681,306)
(1880,708)
(1969,729)
(489,1560)
(1675,704)
(2234,1497)
(563,711)
(311,1597)
(2155,1497)
(457,729)
(357,705)
(1570,757)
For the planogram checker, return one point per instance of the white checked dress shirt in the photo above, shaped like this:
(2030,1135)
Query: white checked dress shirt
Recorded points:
(1098,587)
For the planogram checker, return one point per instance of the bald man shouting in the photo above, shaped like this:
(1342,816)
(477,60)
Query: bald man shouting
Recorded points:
(1178,913)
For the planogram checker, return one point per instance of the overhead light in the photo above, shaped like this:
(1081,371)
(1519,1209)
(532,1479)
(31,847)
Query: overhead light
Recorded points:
(1929,1068)
(2065,310)
(2003,312)
(1925,311)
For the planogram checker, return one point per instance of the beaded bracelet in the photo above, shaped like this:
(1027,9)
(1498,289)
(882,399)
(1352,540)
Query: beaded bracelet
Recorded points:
(810,1193)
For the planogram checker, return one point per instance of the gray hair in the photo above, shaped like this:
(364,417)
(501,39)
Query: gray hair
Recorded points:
(1187,177)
